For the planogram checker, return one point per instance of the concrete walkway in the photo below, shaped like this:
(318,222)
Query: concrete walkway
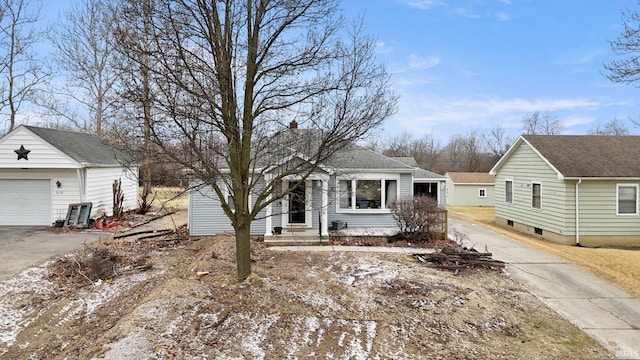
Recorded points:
(604,312)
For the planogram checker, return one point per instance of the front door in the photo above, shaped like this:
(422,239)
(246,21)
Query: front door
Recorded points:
(297,205)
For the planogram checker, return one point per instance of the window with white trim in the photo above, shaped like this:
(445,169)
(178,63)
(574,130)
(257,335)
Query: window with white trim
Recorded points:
(536,195)
(361,194)
(508,191)
(627,199)
(482,193)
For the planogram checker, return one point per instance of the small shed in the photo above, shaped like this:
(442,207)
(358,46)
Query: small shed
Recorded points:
(43,171)
(470,189)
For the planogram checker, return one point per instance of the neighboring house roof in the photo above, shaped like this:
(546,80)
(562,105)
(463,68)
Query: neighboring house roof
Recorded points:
(471,178)
(87,149)
(584,156)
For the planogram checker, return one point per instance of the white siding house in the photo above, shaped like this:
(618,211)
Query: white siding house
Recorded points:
(43,171)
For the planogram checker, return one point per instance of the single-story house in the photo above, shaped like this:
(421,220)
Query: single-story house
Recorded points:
(571,189)
(354,188)
(43,171)
(470,188)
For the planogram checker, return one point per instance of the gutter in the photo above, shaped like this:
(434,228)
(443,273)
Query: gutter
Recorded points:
(578,212)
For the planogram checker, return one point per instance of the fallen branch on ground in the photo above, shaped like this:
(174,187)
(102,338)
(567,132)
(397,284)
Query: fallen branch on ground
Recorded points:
(456,259)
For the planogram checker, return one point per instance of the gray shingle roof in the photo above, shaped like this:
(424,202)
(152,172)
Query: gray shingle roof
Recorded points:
(87,149)
(418,172)
(590,155)
(407,160)
(354,157)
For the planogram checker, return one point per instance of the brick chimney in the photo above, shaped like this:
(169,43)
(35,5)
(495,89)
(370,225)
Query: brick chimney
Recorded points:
(293,124)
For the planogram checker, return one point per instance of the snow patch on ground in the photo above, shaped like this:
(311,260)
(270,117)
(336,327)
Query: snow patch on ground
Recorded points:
(16,308)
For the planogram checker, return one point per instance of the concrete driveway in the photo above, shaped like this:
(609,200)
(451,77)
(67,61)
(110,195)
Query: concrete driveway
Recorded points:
(603,311)
(22,247)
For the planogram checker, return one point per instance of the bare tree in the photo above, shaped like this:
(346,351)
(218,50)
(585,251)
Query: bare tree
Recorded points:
(464,153)
(424,150)
(399,145)
(496,141)
(85,56)
(240,71)
(541,124)
(626,69)
(21,72)
(614,127)
(136,44)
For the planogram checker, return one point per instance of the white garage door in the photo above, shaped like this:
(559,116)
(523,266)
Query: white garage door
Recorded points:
(25,202)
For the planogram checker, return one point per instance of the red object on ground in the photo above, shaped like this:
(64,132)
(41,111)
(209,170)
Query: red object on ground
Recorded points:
(105,224)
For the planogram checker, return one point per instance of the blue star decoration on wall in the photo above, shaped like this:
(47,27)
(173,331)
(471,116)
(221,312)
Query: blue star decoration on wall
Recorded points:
(22,153)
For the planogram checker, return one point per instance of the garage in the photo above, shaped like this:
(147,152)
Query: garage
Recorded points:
(44,171)
(25,202)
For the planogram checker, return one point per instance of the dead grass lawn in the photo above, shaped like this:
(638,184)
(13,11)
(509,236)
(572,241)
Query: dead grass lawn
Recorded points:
(169,197)
(621,267)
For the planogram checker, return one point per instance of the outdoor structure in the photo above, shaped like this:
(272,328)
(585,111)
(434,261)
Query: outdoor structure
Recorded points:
(470,188)
(571,189)
(43,171)
(354,189)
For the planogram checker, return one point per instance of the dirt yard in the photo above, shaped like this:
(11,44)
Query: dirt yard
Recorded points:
(150,303)
(619,266)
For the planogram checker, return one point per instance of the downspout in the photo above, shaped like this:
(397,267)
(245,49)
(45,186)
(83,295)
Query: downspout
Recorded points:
(81,179)
(578,213)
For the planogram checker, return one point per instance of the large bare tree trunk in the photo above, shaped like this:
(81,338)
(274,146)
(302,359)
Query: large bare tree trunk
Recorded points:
(243,247)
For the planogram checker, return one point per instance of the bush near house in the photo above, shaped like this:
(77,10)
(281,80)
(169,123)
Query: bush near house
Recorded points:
(417,217)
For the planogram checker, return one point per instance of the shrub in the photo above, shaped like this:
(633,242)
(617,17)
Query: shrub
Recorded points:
(417,216)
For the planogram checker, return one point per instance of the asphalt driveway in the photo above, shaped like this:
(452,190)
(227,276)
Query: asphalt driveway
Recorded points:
(22,247)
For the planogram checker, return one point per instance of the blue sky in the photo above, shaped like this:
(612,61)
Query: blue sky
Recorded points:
(465,65)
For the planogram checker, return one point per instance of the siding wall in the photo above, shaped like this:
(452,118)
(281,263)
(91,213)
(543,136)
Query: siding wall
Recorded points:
(525,167)
(206,216)
(598,209)
(451,192)
(467,195)
(99,189)
(42,155)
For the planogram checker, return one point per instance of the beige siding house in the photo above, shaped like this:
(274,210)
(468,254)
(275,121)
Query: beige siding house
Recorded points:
(470,188)
(571,189)
(43,171)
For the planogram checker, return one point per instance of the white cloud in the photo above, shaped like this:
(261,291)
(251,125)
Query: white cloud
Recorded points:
(423,4)
(502,16)
(575,120)
(467,12)
(382,48)
(417,62)
(579,59)
(418,115)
